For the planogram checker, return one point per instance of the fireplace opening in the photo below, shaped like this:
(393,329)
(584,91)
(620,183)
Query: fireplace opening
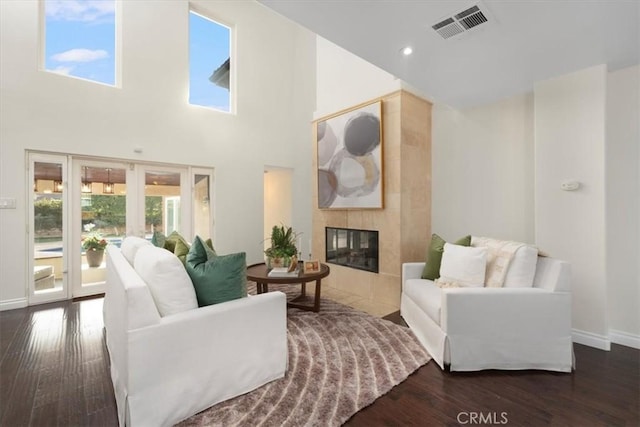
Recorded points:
(352,248)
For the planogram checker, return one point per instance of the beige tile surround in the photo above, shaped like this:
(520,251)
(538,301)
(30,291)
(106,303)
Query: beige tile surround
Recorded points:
(404,224)
(371,306)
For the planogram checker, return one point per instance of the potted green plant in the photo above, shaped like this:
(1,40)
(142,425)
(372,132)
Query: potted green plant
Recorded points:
(283,246)
(94,246)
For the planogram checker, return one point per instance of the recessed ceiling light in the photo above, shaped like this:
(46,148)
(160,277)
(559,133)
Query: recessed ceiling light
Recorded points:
(406,51)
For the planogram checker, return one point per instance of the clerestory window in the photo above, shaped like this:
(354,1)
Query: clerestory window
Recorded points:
(80,39)
(209,63)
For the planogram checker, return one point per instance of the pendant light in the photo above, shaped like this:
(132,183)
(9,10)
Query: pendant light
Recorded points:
(108,187)
(86,185)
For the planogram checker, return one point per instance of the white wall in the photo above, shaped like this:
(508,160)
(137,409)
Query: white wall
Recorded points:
(275,63)
(503,132)
(345,80)
(623,203)
(570,144)
(303,88)
(482,170)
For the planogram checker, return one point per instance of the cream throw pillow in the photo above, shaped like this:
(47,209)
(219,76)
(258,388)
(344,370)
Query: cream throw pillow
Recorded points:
(167,279)
(499,256)
(463,266)
(130,246)
(522,269)
(509,264)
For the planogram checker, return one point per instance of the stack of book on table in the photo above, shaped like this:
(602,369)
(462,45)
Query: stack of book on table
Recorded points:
(283,272)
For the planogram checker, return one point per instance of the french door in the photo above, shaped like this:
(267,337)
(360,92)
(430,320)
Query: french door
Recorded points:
(165,202)
(79,204)
(48,196)
(99,217)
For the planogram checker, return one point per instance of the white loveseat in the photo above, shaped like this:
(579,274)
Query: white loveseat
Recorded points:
(166,369)
(471,329)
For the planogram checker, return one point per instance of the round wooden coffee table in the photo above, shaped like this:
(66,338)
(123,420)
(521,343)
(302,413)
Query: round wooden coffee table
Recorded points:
(259,274)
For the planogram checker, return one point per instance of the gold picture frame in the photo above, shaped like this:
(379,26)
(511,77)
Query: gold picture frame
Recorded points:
(310,266)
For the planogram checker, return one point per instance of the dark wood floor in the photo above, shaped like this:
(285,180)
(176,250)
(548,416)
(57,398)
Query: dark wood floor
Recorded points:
(604,390)
(54,371)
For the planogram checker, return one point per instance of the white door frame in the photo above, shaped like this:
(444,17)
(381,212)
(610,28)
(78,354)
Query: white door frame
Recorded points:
(72,213)
(65,292)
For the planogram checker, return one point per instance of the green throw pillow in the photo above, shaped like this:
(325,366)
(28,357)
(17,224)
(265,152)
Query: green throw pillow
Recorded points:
(170,241)
(216,279)
(434,255)
(158,239)
(181,250)
(209,243)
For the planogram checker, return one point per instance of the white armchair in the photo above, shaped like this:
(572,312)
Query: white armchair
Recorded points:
(471,329)
(166,369)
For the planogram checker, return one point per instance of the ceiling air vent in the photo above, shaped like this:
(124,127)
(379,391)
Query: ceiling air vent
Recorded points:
(461,22)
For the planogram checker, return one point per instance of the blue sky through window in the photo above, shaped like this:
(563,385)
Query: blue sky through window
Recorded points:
(80,39)
(208,49)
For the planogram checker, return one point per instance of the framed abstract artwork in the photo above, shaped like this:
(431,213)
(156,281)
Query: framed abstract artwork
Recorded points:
(350,159)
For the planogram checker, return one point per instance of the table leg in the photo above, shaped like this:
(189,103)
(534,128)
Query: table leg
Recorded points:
(304,289)
(316,305)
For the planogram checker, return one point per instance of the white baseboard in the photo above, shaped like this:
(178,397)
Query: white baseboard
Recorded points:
(624,338)
(12,304)
(601,342)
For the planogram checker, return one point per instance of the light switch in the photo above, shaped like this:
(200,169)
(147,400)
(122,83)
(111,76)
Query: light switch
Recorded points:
(7,203)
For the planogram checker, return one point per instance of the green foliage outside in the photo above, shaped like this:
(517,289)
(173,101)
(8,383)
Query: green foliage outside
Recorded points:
(153,210)
(47,215)
(108,212)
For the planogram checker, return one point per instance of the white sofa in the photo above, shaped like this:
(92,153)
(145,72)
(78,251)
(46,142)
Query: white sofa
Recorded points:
(166,369)
(470,329)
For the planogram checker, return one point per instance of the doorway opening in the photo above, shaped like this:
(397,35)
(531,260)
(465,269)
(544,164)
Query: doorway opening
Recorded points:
(278,204)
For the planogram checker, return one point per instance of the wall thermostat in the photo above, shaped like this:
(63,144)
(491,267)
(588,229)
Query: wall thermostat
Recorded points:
(570,185)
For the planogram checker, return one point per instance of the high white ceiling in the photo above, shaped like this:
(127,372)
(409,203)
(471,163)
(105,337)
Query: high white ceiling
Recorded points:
(523,42)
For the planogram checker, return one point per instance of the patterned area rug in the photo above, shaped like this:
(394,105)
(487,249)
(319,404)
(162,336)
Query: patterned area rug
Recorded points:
(340,360)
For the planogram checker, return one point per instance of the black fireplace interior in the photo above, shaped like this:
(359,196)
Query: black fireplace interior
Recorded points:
(352,248)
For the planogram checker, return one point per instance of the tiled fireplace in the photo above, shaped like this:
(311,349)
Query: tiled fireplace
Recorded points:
(404,222)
